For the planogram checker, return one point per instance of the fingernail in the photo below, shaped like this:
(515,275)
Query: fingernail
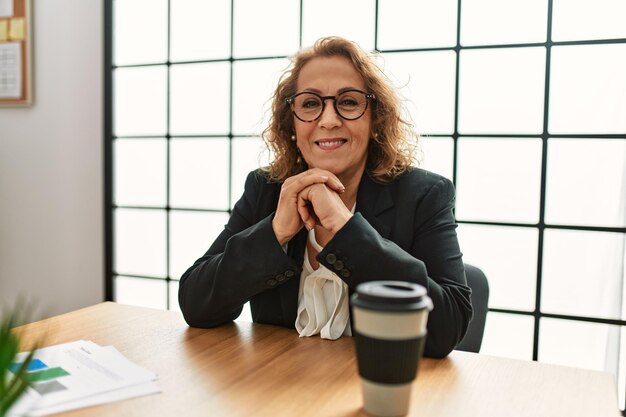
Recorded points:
(342,190)
(307,227)
(324,177)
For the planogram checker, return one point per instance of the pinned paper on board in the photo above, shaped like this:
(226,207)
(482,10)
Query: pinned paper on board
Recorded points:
(4,30)
(6,8)
(10,70)
(15,53)
(16,29)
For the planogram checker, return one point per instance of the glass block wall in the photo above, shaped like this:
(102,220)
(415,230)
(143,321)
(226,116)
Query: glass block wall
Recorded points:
(521,103)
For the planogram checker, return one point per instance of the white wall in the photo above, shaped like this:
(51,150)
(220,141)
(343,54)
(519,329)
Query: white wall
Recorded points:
(51,166)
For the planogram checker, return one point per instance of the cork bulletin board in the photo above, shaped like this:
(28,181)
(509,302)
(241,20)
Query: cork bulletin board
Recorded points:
(15,53)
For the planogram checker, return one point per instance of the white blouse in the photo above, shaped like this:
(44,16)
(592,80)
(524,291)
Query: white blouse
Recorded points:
(322,301)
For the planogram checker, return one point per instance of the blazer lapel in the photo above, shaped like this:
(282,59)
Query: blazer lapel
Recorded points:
(375,203)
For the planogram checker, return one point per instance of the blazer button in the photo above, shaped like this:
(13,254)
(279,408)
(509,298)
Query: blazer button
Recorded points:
(345,273)
(280,277)
(289,273)
(271,282)
(331,258)
(338,265)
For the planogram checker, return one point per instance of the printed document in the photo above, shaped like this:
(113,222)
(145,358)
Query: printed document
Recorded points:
(80,374)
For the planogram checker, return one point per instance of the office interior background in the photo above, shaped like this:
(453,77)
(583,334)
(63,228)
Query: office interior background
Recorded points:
(521,103)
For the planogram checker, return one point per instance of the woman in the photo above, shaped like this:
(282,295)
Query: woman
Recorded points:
(340,205)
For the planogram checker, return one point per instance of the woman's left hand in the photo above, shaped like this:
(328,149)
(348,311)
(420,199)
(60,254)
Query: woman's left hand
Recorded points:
(320,205)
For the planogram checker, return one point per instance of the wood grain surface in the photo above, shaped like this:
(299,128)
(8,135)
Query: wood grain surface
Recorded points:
(245,369)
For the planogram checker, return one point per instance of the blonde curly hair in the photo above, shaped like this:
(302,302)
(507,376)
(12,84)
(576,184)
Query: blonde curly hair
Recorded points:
(393,142)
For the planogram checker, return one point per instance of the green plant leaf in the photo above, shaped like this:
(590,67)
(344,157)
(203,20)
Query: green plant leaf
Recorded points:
(17,386)
(12,384)
(9,345)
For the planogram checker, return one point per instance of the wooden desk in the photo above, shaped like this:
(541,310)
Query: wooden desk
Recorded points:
(246,369)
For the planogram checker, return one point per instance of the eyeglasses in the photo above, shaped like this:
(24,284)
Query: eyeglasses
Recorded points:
(349,105)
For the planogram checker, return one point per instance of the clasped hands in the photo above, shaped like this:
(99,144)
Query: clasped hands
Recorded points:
(311,198)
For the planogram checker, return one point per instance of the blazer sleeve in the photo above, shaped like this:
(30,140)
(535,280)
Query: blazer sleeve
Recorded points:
(432,258)
(242,262)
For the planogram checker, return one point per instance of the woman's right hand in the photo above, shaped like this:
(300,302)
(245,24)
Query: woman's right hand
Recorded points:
(287,220)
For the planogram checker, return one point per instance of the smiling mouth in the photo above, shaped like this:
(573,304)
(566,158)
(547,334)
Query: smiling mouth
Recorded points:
(330,144)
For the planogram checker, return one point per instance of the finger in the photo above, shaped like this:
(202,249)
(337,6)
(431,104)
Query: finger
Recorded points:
(294,185)
(299,182)
(304,209)
(332,182)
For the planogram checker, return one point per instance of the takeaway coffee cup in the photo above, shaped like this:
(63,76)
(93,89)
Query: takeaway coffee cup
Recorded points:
(390,334)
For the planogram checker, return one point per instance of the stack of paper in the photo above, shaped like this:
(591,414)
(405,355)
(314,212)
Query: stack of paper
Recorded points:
(80,374)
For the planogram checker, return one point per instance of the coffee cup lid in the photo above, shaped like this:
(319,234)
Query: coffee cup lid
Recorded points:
(391,295)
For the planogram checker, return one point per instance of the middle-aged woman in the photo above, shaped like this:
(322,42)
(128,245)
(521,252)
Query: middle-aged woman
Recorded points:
(339,205)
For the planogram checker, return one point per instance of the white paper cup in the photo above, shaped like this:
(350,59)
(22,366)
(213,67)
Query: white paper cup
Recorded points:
(390,333)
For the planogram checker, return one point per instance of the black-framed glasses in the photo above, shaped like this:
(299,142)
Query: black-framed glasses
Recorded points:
(350,104)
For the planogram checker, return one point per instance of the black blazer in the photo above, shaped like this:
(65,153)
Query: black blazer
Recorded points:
(403,230)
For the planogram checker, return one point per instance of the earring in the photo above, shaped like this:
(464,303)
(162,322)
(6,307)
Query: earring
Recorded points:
(293,138)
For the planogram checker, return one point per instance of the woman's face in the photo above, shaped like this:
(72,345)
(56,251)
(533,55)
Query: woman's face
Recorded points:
(330,142)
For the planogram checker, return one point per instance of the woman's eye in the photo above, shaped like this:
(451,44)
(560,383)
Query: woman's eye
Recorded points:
(310,104)
(348,102)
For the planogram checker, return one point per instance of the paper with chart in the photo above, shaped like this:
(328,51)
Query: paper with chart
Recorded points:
(79,374)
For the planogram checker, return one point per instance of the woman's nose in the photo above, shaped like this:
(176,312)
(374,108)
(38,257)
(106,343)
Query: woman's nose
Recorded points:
(329,117)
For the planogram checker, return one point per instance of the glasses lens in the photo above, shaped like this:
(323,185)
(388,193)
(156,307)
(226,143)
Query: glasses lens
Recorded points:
(351,104)
(307,106)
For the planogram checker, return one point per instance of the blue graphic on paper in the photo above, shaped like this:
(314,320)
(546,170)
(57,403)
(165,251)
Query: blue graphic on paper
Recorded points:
(34,365)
